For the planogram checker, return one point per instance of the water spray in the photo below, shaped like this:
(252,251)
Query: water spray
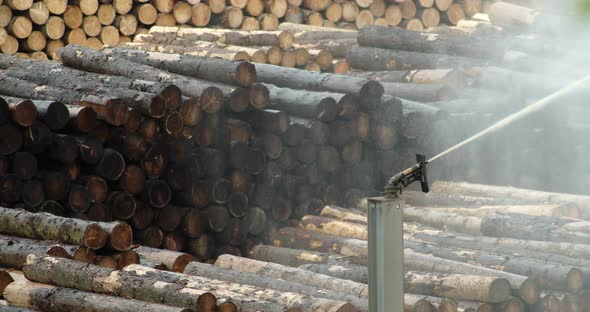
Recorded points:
(417,172)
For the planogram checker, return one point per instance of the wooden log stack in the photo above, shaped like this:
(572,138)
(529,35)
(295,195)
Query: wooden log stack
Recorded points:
(37,29)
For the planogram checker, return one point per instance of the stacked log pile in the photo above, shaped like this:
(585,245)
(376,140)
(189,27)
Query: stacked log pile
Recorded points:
(38,28)
(301,46)
(467,248)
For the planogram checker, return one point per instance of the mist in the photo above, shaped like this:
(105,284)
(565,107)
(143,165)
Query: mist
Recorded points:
(547,150)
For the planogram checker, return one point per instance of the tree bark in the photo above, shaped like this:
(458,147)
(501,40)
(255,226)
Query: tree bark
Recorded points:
(381,59)
(128,285)
(508,192)
(312,81)
(215,272)
(531,227)
(287,299)
(313,105)
(340,269)
(348,215)
(563,253)
(549,210)
(87,59)
(334,227)
(440,199)
(16,249)
(402,39)
(27,294)
(295,275)
(233,73)
(47,226)
(550,275)
(174,261)
(457,286)
(434,218)
(527,288)
(287,256)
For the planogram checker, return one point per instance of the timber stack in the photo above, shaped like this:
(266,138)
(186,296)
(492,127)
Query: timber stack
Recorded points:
(38,28)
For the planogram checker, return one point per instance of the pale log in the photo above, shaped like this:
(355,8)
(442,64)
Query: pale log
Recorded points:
(216,272)
(550,275)
(47,226)
(527,288)
(287,299)
(458,223)
(174,261)
(288,256)
(304,277)
(348,215)
(457,286)
(342,270)
(127,285)
(550,210)
(24,293)
(334,227)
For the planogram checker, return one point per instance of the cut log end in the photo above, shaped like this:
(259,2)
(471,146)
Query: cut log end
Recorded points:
(259,96)
(95,237)
(121,237)
(246,74)
(372,89)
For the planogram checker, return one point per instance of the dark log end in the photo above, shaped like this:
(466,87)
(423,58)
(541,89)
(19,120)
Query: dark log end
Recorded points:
(86,119)
(348,106)
(122,204)
(91,150)
(106,262)
(84,254)
(24,113)
(132,180)
(134,120)
(239,100)
(190,111)
(143,216)
(173,123)
(327,109)
(157,107)
(33,194)
(57,116)
(238,204)
(227,307)
(206,302)
(121,237)
(24,165)
(211,100)
(95,237)
(245,74)
(500,290)
(111,165)
(256,160)
(126,258)
(259,96)
(181,262)
(11,139)
(172,95)
(159,193)
(192,224)
(97,189)
(372,90)
(154,162)
(78,199)
(57,251)
(151,237)
(118,112)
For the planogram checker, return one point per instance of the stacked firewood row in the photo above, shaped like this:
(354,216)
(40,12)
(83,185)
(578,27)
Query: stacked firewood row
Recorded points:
(467,248)
(301,46)
(38,28)
(202,165)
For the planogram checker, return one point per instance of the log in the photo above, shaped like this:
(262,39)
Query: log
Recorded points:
(527,288)
(174,261)
(508,192)
(382,59)
(550,210)
(304,277)
(129,285)
(549,275)
(301,79)
(15,250)
(287,299)
(236,73)
(451,77)
(342,270)
(215,272)
(27,294)
(313,105)
(439,199)
(457,223)
(334,227)
(545,251)
(457,286)
(79,57)
(47,226)
(288,256)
